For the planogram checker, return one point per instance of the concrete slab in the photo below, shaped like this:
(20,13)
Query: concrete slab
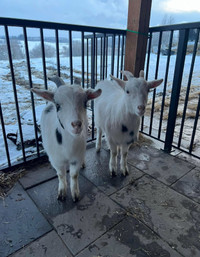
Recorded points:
(21,222)
(162,166)
(78,224)
(97,171)
(174,217)
(49,245)
(129,238)
(37,174)
(189,185)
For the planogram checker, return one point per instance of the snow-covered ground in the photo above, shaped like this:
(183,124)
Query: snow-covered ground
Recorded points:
(23,93)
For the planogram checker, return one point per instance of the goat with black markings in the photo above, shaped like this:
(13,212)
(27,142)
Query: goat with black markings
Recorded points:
(118,112)
(64,131)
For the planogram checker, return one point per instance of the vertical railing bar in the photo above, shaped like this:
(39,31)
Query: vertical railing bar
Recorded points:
(195,126)
(57,52)
(188,87)
(4,136)
(101,61)
(31,85)
(113,55)
(92,78)
(118,53)
(165,83)
(147,72)
(106,68)
(82,59)
(104,52)
(87,63)
(96,61)
(15,91)
(122,55)
(43,58)
(176,88)
(70,57)
(154,91)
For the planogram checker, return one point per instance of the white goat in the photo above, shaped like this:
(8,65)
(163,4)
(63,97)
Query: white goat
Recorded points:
(64,131)
(118,112)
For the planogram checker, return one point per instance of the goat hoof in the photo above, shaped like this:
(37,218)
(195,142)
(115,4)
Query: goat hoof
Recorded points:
(76,198)
(125,172)
(61,197)
(113,173)
(83,166)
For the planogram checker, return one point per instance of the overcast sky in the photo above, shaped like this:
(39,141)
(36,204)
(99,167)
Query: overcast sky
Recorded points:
(102,13)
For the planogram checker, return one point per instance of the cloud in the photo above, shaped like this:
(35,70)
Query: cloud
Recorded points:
(180,6)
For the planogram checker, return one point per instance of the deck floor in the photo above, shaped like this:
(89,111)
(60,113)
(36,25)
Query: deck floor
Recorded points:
(155,211)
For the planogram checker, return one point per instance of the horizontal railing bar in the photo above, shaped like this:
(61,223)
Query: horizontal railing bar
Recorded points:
(59,26)
(192,25)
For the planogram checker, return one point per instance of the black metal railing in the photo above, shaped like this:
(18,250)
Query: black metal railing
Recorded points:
(174,109)
(86,55)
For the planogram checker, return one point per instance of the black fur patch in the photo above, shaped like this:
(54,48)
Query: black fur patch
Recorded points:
(124,128)
(131,133)
(58,137)
(49,108)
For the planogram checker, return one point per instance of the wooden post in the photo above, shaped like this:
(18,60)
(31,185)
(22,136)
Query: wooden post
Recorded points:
(136,40)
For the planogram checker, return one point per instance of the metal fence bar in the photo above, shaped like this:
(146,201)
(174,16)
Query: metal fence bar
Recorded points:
(104,52)
(87,63)
(31,85)
(118,54)
(82,59)
(122,56)
(188,87)
(113,55)
(57,52)
(43,58)
(15,92)
(165,84)
(180,60)
(70,57)
(156,76)
(93,77)
(4,137)
(195,126)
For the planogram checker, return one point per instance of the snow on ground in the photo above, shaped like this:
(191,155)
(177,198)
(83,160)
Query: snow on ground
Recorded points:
(23,93)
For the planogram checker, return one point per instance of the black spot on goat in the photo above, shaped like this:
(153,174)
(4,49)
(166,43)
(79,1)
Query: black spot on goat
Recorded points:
(58,137)
(124,128)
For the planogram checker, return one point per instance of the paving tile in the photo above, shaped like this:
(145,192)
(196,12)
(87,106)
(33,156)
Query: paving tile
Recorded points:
(129,238)
(173,216)
(97,171)
(37,174)
(160,165)
(20,221)
(49,245)
(189,185)
(78,224)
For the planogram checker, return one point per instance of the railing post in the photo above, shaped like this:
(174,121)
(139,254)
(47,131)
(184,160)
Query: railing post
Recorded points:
(176,87)
(137,35)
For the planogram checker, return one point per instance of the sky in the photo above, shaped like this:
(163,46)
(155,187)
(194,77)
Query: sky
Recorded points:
(101,13)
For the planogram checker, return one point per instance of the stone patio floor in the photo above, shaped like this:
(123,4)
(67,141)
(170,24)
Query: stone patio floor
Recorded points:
(155,211)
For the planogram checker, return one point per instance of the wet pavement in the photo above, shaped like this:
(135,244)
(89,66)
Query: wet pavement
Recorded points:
(154,211)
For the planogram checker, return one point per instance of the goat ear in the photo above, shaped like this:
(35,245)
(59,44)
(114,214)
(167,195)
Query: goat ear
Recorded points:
(57,80)
(120,82)
(49,96)
(141,75)
(92,94)
(154,83)
(128,74)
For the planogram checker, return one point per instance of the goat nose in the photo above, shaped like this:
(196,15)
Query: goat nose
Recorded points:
(141,107)
(76,124)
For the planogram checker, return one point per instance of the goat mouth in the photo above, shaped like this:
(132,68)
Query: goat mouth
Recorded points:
(76,131)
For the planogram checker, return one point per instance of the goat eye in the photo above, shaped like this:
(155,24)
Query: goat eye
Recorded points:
(127,92)
(57,107)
